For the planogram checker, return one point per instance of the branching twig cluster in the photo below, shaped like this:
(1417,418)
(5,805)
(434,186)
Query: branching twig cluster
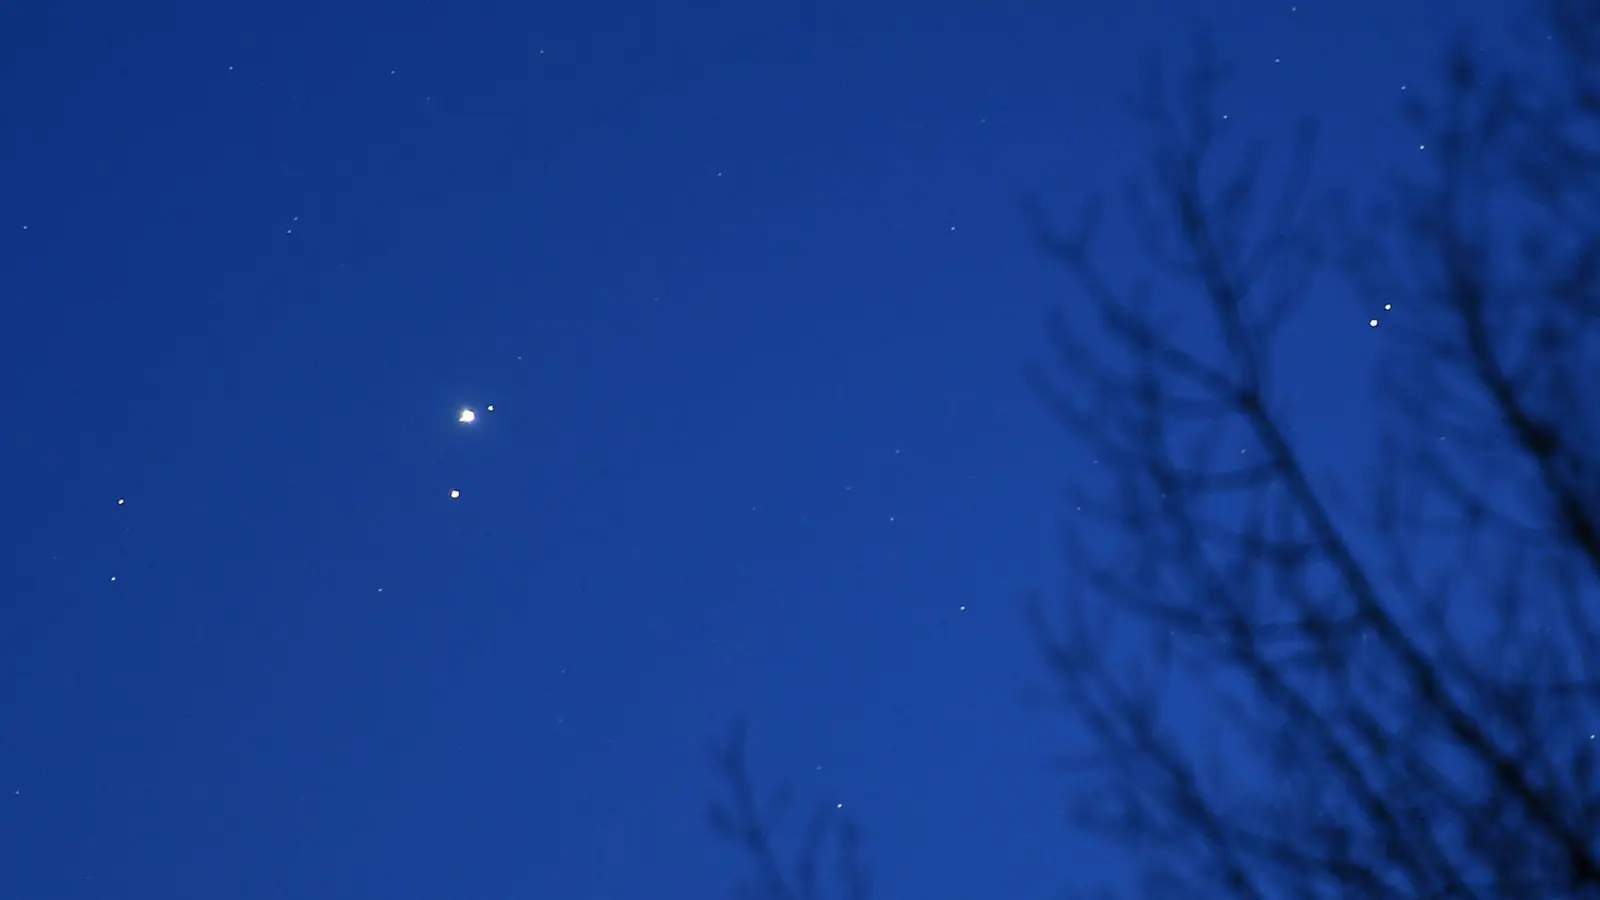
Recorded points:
(1398,687)
(754,827)
(1289,687)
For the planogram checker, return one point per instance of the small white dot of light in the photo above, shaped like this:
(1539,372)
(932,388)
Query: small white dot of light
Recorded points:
(1422,146)
(455,495)
(838,806)
(490,407)
(380,590)
(891,518)
(113,578)
(962,608)
(467,417)
(121,501)
(1388,306)
(1372,323)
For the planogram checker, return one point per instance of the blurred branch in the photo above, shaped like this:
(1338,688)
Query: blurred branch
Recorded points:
(750,826)
(1403,692)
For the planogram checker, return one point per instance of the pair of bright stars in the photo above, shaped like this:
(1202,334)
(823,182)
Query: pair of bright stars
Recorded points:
(467,416)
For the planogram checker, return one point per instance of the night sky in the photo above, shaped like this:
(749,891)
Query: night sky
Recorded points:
(740,295)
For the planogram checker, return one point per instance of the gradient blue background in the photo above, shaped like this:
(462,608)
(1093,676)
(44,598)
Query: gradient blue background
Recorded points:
(749,288)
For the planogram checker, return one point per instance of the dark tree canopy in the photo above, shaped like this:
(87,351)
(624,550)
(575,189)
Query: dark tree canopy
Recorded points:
(1398,675)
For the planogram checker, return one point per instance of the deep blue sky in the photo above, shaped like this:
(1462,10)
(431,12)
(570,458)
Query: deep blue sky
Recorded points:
(749,289)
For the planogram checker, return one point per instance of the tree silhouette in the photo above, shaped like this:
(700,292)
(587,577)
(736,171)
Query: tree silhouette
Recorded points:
(752,826)
(1288,687)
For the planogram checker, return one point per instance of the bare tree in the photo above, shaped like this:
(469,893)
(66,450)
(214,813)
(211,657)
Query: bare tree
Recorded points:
(1289,687)
(828,836)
